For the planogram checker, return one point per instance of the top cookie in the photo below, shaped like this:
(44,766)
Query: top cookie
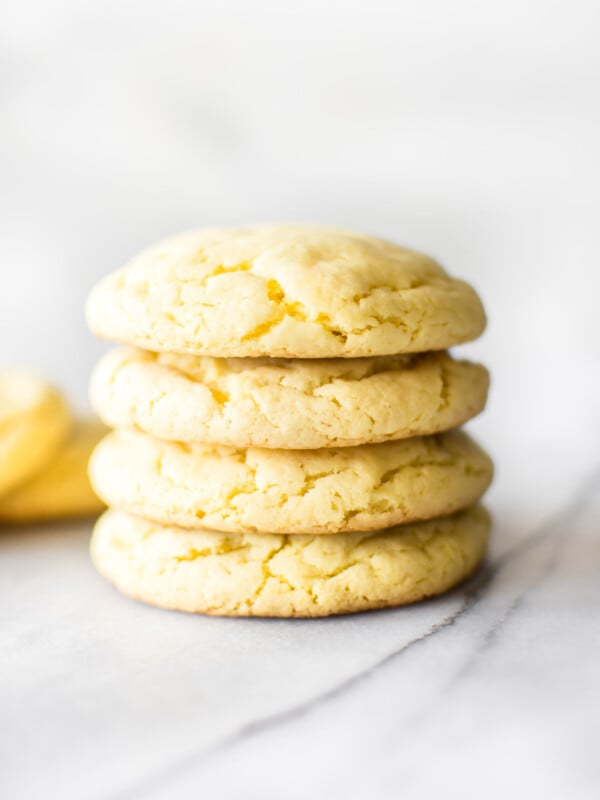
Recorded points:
(285,291)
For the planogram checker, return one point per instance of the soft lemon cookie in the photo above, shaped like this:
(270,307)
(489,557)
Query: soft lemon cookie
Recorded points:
(62,489)
(286,403)
(284,290)
(291,575)
(289,491)
(34,421)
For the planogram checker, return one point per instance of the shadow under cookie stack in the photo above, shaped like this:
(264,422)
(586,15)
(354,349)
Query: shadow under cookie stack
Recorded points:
(286,421)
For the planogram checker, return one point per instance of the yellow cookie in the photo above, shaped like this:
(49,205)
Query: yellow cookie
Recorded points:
(286,403)
(62,489)
(289,491)
(284,290)
(293,575)
(34,421)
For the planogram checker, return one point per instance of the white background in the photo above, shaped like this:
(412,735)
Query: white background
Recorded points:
(470,130)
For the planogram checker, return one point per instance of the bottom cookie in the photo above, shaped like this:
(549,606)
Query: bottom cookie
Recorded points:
(287,575)
(63,489)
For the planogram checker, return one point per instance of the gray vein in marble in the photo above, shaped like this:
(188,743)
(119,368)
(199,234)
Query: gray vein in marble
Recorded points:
(474,592)
(255,727)
(551,529)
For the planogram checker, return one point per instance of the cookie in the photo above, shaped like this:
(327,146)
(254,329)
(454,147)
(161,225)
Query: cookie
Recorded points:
(293,575)
(34,422)
(62,489)
(289,491)
(286,403)
(284,290)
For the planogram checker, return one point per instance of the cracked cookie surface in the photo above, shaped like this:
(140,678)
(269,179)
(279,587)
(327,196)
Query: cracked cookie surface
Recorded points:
(304,491)
(286,403)
(34,422)
(284,290)
(287,575)
(62,489)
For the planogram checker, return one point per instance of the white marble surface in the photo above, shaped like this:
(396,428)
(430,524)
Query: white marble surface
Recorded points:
(467,129)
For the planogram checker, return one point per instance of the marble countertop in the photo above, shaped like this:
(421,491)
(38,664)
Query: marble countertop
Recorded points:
(492,689)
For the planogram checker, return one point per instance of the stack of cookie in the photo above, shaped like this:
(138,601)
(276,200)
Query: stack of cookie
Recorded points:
(43,453)
(286,419)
